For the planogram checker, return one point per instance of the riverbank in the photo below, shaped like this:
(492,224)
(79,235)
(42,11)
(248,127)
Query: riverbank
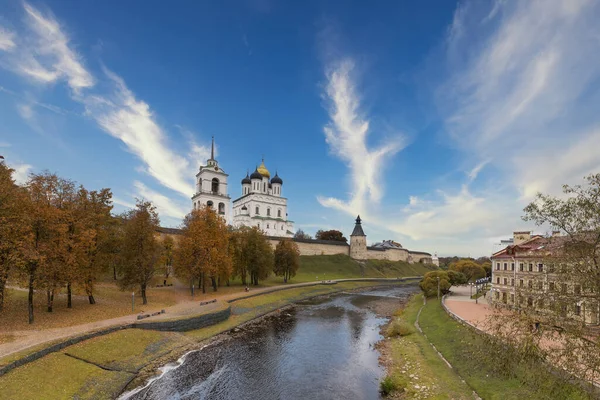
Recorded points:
(105,366)
(412,363)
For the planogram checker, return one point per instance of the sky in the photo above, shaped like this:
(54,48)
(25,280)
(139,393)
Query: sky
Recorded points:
(436,121)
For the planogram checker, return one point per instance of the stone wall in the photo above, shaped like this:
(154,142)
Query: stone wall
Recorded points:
(186,324)
(388,254)
(310,247)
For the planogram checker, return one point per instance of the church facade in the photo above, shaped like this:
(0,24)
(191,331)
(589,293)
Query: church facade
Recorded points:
(260,205)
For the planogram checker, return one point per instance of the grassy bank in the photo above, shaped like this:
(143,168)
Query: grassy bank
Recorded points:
(467,351)
(100,367)
(414,368)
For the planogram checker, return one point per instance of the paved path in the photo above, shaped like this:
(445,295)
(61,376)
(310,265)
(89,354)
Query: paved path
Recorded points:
(460,303)
(30,338)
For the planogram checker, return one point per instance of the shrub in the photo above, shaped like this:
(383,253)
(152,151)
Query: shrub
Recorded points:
(429,284)
(387,385)
(399,327)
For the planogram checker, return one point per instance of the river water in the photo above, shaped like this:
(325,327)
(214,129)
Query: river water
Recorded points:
(320,349)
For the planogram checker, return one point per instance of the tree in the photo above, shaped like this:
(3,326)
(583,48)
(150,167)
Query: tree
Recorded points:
(301,235)
(456,278)
(140,249)
(548,312)
(253,255)
(331,235)
(469,268)
(287,259)
(429,283)
(168,255)
(13,229)
(203,251)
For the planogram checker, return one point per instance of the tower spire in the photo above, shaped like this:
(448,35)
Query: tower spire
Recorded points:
(212,149)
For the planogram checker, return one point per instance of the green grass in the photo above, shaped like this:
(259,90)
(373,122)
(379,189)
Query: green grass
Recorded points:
(58,376)
(463,348)
(413,355)
(340,266)
(127,350)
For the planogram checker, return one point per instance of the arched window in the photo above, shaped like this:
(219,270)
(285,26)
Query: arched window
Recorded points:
(281,227)
(279,213)
(268,212)
(215,185)
(264,187)
(267,226)
(209,203)
(257,213)
(258,225)
(222,208)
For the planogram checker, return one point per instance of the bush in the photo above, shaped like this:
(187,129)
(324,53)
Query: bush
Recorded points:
(399,327)
(387,385)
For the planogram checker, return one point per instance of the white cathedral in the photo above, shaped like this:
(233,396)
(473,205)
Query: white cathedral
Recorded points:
(260,203)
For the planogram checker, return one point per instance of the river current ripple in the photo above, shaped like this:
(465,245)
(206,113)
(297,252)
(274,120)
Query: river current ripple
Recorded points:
(317,350)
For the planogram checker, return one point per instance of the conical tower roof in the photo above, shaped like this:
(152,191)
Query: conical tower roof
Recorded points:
(358,231)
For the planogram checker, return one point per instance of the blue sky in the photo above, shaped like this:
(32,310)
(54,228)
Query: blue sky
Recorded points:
(437,121)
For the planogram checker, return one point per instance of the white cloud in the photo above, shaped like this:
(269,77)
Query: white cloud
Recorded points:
(165,205)
(346,134)
(133,122)
(50,56)
(25,111)
(122,202)
(21,173)
(6,40)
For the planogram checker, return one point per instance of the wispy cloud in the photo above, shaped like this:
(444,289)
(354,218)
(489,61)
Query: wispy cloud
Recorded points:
(165,205)
(346,134)
(6,40)
(21,173)
(46,55)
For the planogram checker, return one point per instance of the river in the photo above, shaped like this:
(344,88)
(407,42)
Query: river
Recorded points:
(319,349)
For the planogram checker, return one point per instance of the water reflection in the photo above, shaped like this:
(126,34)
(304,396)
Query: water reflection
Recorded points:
(320,350)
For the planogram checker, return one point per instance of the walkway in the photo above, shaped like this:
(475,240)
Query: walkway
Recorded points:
(460,303)
(30,338)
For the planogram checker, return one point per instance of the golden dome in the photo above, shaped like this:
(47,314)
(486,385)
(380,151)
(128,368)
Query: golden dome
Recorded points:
(263,170)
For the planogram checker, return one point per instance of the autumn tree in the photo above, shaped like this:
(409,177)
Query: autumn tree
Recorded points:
(253,255)
(140,249)
(469,268)
(203,250)
(13,230)
(237,249)
(286,259)
(300,234)
(331,235)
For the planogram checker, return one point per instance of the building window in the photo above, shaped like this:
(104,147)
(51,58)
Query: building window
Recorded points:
(258,225)
(512,298)
(505,281)
(540,285)
(551,286)
(281,227)
(520,282)
(505,266)
(563,288)
(257,213)
(222,208)
(215,185)
(279,213)
(577,309)
(512,266)
(529,302)
(265,187)
(497,266)
(530,284)
(521,267)
(530,267)
(540,267)
(577,289)
(512,282)
(498,280)
(209,203)
(267,226)
(268,212)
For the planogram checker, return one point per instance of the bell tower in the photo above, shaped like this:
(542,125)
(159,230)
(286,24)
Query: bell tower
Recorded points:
(211,187)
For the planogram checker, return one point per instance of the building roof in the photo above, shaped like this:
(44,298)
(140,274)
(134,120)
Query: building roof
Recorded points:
(256,174)
(171,231)
(263,170)
(387,244)
(358,231)
(277,179)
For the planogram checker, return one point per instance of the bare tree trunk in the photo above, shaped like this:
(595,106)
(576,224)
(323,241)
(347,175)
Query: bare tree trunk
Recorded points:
(30,298)
(3,279)
(69,303)
(203,278)
(114,272)
(50,299)
(90,291)
(214,283)
(144,299)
